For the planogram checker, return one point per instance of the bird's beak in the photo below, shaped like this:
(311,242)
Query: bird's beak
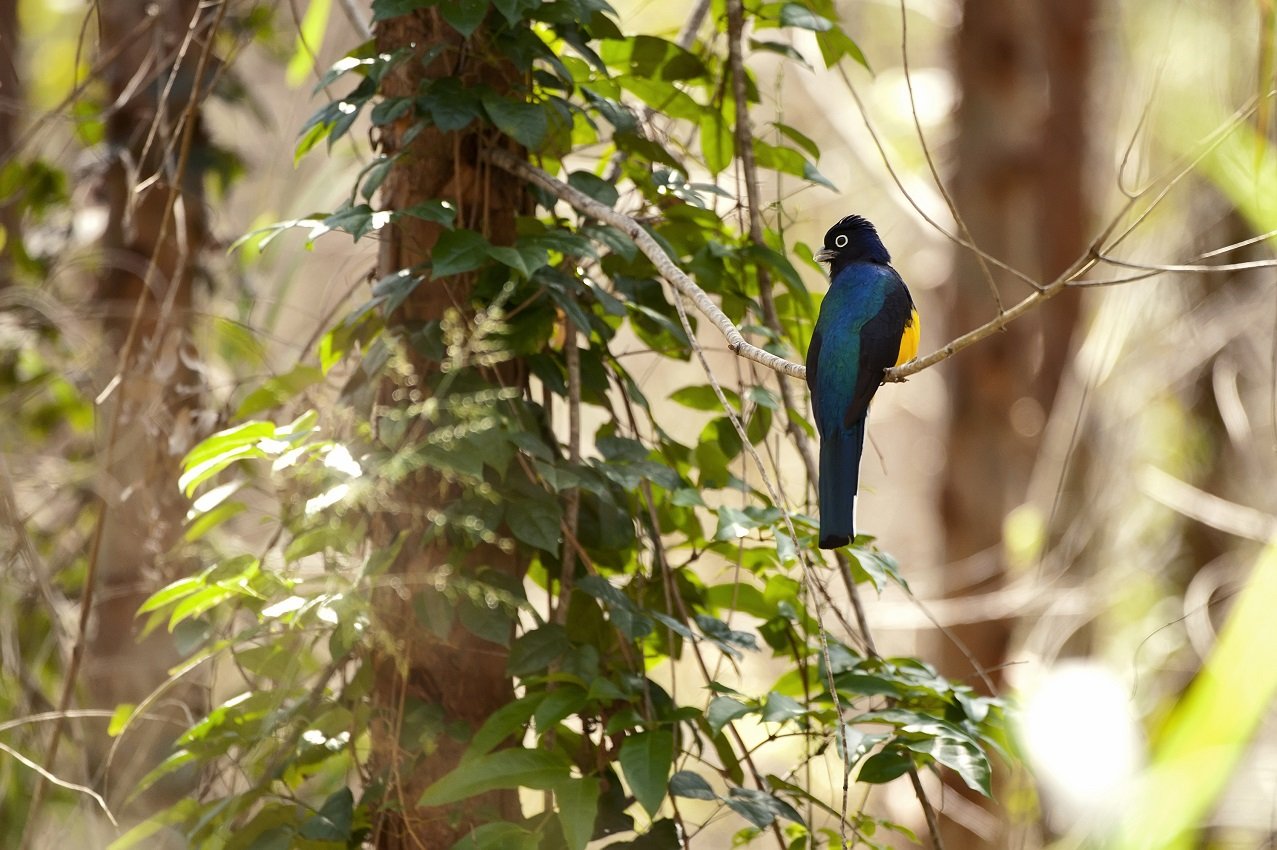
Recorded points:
(826,255)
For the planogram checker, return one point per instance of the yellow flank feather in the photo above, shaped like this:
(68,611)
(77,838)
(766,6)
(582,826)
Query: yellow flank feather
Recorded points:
(909,340)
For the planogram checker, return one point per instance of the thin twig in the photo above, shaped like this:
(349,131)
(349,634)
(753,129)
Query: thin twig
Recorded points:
(356,17)
(931,163)
(572,509)
(917,207)
(46,776)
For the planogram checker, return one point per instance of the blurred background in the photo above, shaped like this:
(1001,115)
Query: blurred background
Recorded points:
(1080,501)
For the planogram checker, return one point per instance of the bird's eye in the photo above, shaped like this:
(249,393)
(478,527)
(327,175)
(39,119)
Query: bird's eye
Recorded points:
(841,240)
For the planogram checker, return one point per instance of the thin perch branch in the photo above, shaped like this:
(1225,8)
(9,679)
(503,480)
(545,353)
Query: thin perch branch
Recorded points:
(735,342)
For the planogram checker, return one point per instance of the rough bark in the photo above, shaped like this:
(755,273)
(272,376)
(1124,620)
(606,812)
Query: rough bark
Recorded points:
(156,231)
(462,678)
(1019,183)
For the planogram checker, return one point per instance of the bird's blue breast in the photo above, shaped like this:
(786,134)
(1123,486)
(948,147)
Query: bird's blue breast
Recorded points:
(855,296)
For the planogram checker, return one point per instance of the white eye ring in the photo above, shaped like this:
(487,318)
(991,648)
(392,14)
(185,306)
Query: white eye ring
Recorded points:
(841,240)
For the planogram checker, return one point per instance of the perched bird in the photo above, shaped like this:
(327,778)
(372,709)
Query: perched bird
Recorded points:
(867,323)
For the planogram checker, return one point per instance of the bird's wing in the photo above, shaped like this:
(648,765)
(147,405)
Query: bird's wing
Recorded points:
(880,339)
(813,363)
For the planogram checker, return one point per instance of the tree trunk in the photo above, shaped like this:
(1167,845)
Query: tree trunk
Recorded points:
(1019,183)
(156,231)
(460,679)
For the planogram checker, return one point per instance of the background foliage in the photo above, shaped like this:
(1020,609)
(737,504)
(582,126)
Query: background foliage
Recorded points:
(613,507)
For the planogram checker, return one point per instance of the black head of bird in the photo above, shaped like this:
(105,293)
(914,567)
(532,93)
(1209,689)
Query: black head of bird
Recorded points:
(852,240)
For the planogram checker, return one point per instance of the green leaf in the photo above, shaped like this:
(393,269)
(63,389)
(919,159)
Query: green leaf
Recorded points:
(835,44)
(500,835)
(393,290)
(385,9)
(663,97)
(799,138)
(786,50)
(177,590)
(780,708)
(760,808)
(733,524)
(279,389)
(274,838)
(794,15)
(717,144)
(465,16)
(723,710)
(578,802)
(450,104)
(526,123)
(390,110)
(120,718)
(333,820)
(875,566)
(457,252)
(357,220)
(515,768)
(594,186)
(646,759)
(703,397)
(437,211)
(685,783)
(961,755)
(179,812)
(376,174)
(812,175)
(500,725)
(536,522)
(559,703)
(220,450)
(535,651)
(882,767)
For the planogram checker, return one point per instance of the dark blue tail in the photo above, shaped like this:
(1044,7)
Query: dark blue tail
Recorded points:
(839,479)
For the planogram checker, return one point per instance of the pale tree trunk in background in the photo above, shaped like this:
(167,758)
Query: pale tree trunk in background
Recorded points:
(10,110)
(460,678)
(149,256)
(1019,182)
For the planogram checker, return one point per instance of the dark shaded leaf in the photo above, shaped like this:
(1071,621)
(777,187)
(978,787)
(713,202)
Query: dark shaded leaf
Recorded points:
(646,758)
(760,808)
(685,783)
(385,9)
(464,15)
(578,801)
(535,651)
(884,766)
(526,123)
(458,251)
(333,820)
